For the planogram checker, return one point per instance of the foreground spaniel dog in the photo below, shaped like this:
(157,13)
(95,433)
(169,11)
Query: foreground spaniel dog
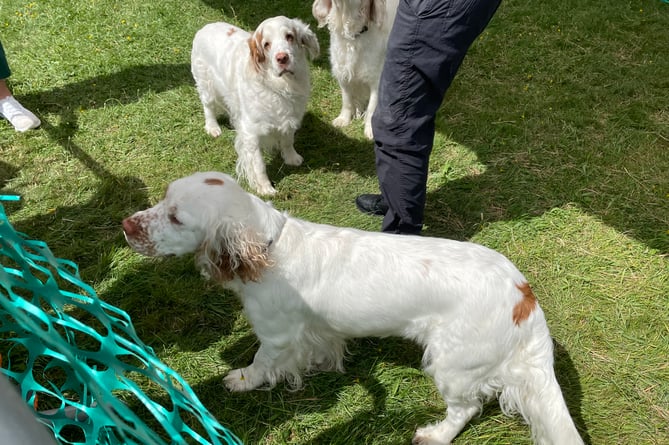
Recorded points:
(307,288)
(359,32)
(261,81)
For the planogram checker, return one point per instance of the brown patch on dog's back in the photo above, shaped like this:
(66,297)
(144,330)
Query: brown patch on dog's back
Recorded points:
(214,181)
(231,31)
(523,309)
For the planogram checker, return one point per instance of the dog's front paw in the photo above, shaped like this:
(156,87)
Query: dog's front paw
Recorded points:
(342,120)
(292,159)
(369,134)
(213,130)
(428,436)
(239,380)
(266,189)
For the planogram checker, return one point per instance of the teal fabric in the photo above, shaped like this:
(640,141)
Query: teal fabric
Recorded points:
(5,72)
(78,362)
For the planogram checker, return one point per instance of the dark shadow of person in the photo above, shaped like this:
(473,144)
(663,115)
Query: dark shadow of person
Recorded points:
(252,415)
(314,143)
(86,233)
(241,411)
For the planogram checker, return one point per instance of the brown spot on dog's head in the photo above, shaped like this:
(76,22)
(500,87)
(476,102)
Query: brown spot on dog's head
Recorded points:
(213,181)
(523,309)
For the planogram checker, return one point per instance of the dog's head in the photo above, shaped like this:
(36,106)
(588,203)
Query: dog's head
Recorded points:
(209,214)
(280,45)
(349,17)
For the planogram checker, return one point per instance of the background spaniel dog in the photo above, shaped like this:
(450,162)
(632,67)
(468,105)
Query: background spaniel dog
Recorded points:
(358,37)
(307,288)
(261,81)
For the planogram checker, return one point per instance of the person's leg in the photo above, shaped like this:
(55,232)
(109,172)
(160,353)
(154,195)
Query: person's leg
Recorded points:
(426,47)
(21,118)
(4,89)
(5,72)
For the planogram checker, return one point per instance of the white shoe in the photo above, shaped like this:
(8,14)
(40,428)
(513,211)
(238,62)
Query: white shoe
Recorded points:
(21,118)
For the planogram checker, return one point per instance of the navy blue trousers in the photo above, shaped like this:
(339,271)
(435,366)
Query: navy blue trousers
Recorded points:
(426,47)
(5,72)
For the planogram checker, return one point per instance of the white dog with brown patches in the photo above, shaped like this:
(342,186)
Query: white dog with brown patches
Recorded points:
(261,80)
(359,32)
(307,288)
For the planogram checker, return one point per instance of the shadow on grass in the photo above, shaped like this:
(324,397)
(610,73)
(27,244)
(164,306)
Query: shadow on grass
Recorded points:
(521,182)
(261,413)
(122,87)
(256,414)
(7,173)
(85,233)
(92,229)
(170,304)
(314,141)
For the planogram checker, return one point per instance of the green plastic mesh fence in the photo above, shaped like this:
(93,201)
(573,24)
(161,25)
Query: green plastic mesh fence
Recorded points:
(79,363)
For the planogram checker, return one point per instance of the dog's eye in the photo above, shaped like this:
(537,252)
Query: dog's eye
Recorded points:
(173,219)
(267,45)
(289,38)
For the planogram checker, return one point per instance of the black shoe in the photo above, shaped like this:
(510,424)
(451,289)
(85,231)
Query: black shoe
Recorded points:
(372,204)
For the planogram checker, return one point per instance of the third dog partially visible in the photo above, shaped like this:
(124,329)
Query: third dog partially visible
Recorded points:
(359,32)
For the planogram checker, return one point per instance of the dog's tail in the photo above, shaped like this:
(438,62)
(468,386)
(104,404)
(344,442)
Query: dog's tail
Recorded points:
(533,391)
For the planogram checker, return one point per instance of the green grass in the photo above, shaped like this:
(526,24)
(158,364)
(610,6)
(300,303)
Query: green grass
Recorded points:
(552,147)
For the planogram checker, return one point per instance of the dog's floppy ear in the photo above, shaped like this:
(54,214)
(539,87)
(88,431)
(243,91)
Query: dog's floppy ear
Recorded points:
(320,10)
(230,248)
(307,38)
(230,251)
(256,49)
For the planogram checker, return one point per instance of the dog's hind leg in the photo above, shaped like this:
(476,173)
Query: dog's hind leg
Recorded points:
(460,375)
(442,433)
(532,390)
(460,393)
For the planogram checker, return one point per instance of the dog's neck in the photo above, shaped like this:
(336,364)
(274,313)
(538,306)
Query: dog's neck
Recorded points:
(271,221)
(352,35)
(362,31)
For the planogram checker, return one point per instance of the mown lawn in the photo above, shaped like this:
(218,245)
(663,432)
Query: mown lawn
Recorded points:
(552,147)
